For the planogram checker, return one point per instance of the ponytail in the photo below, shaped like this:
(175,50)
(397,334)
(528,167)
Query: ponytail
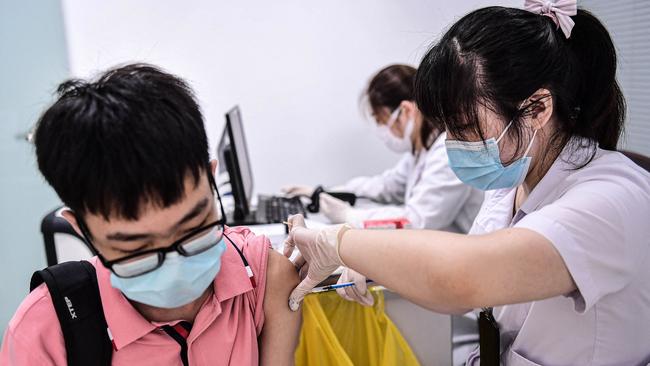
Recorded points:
(599,102)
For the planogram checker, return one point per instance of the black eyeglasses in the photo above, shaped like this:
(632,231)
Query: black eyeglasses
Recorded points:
(195,242)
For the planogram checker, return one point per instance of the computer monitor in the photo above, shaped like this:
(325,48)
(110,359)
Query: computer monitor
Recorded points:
(233,155)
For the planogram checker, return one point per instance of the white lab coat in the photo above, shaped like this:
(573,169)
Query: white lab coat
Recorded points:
(421,188)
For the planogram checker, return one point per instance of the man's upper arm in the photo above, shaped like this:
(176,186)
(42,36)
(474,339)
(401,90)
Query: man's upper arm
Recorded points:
(279,336)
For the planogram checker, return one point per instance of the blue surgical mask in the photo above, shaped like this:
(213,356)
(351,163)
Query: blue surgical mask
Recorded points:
(478,164)
(177,282)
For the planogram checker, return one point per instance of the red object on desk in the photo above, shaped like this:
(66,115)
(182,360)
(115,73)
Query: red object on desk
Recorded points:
(396,223)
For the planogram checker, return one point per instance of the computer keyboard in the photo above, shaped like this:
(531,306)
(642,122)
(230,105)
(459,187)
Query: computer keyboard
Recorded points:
(276,209)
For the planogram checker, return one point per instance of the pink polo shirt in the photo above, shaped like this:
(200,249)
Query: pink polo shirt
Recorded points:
(224,332)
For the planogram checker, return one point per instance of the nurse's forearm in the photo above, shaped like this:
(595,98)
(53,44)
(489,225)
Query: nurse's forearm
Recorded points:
(448,272)
(403,261)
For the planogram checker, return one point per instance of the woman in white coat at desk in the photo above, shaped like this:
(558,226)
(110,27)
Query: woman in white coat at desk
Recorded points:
(561,247)
(421,187)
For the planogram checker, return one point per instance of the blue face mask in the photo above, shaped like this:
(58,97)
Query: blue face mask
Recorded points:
(177,282)
(478,164)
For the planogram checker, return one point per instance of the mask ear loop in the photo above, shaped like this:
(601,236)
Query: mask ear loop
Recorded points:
(508,126)
(504,131)
(393,117)
(531,143)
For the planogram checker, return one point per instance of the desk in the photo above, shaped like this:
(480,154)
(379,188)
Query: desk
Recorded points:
(428,333)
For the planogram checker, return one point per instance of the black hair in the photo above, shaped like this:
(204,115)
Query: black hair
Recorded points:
(130,137)
(389,87)
(498,57)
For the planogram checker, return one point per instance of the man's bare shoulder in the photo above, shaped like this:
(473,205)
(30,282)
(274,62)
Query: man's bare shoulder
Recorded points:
(281,277)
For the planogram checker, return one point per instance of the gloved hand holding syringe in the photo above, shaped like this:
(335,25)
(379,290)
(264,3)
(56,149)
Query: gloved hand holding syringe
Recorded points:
(321,252)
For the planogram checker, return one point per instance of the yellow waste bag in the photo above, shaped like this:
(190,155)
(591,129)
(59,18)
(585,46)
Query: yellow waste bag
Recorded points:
(343,333)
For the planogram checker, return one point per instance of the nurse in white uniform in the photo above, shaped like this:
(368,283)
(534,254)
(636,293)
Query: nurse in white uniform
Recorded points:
(561,247)
(421,187)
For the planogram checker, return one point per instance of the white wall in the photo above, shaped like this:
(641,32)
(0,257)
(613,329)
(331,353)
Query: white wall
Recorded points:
(296,68)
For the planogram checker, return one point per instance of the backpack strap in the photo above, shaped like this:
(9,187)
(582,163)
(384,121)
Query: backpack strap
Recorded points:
(75,295)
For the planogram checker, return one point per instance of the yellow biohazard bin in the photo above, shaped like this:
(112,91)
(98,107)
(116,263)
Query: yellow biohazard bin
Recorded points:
(338,332)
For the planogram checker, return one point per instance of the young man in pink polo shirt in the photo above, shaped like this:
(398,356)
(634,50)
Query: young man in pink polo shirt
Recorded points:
(128,155)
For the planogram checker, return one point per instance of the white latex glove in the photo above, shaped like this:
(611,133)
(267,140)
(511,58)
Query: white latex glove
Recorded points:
(334,209)
(359,292)
(298,190)
(319,248)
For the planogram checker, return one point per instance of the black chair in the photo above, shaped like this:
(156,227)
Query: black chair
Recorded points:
(640,160)
(58,248)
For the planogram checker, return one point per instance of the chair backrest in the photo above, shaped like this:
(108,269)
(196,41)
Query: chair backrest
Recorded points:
(61,242)
(640,160)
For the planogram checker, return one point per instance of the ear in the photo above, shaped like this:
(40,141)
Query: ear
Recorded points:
(409,110)
(70,217)
(214,163)
(541,108)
